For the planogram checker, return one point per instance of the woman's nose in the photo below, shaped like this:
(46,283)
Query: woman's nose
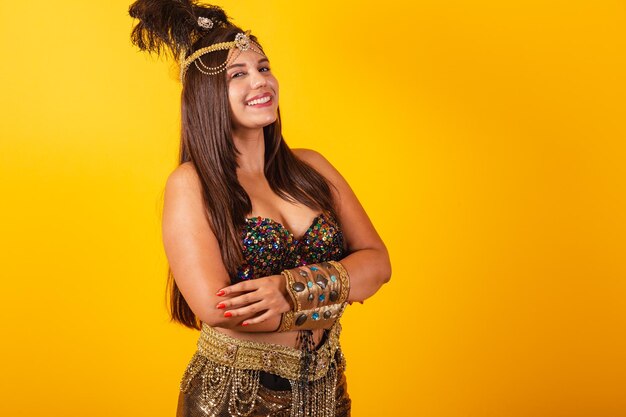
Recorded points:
(258,80)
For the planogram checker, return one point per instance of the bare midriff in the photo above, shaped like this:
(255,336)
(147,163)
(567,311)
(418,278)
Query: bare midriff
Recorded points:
(285,339)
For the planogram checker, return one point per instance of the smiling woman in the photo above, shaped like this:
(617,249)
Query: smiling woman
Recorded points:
(266,245)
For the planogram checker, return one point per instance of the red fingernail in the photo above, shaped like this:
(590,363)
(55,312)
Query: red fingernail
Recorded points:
(228,314)
(244,324)
(221,305)
(221,292)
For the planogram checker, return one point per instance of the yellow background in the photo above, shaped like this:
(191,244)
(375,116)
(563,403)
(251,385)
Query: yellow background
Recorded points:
(486,140)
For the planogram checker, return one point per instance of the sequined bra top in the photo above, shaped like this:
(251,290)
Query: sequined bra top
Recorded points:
(269,247)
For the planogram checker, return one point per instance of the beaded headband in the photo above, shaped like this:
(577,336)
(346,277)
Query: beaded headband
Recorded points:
(242,43)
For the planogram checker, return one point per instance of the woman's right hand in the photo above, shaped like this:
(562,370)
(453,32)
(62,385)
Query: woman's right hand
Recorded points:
(267,296)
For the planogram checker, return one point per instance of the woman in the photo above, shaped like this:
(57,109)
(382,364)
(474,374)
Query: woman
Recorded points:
(266,245)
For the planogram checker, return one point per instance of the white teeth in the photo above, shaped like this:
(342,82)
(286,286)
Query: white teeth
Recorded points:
(259,101)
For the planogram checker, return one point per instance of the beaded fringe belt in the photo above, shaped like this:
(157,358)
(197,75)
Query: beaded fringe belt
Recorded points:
(229,370)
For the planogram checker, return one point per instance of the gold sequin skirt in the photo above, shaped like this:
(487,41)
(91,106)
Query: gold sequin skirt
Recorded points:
(231,377)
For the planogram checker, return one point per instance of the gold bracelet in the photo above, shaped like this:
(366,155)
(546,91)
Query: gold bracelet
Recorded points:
(286,322)
(286,319)
(344,278)
(318,292)
(312,286)
(318,318)
(289,284)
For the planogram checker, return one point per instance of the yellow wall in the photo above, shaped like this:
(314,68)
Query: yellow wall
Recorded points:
(486,139)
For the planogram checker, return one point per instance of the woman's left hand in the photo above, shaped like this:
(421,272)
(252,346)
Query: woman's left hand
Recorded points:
(267,295)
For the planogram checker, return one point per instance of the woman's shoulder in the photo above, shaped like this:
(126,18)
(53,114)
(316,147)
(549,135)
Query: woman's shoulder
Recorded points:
(184,175)
(308,155)
(183,208)
(318,162)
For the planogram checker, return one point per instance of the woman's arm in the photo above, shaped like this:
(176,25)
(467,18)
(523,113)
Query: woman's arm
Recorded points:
(367,264)
(194,257)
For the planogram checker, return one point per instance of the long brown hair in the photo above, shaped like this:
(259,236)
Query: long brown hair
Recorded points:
(206,134)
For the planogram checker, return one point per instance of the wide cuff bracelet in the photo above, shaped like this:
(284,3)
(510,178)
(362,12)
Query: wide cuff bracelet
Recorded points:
(318,292)
(317,285)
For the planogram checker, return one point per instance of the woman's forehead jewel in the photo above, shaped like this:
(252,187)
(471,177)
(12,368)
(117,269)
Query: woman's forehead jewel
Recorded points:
(241,43)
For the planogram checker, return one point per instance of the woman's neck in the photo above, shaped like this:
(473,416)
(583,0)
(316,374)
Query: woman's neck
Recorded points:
(251,145)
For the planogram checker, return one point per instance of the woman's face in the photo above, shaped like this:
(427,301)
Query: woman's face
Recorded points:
(252,91)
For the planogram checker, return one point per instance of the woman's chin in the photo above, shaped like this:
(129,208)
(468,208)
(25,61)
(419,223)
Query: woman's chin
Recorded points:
(261,122)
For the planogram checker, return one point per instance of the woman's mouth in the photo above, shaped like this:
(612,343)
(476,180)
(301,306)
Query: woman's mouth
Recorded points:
(260,102)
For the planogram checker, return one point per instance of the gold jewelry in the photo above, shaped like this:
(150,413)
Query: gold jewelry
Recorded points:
(318,292)
(205,22)
(289,284)
(286,319)
(345,281)
(225,373)
(318,318)
(286,322)
(276,359)
(241,43)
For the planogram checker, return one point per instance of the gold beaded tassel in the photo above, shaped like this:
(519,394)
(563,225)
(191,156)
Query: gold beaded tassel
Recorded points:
(215,70)
(195,365)
(221,384)
(215,384)
(244,392)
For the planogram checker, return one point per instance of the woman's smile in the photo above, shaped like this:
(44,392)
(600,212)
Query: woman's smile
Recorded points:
(262,100)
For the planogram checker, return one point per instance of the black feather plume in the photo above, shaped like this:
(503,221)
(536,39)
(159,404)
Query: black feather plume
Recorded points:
(170,25)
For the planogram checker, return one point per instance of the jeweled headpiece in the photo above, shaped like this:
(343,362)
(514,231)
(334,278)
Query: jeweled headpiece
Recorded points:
(241,43)
(205,22)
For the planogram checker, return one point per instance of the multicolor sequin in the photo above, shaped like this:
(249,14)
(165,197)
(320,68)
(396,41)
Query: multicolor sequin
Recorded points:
(269,247)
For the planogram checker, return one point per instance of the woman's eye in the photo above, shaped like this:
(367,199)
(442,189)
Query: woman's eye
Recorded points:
(235,75)
(264,69)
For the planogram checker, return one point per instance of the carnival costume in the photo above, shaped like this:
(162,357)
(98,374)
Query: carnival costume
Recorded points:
(225,376)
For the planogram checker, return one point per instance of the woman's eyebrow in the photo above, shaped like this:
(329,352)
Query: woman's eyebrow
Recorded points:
(243,65)
(235,65)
